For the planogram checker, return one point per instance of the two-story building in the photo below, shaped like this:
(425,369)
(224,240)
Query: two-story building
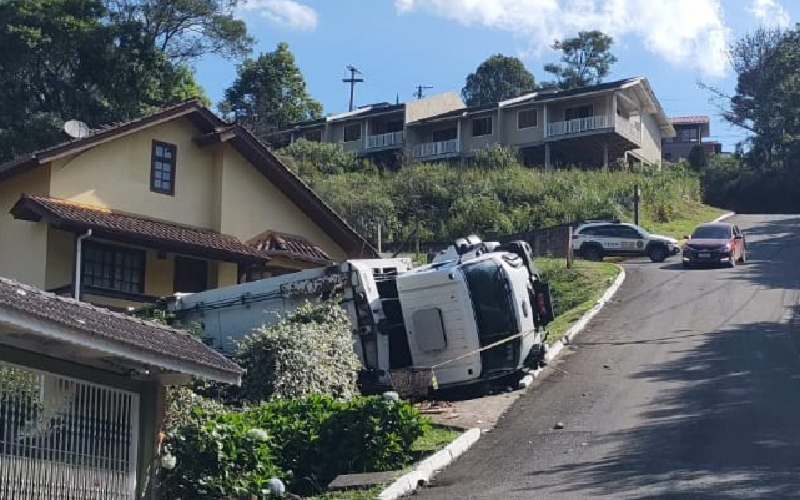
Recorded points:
(377,131)
(690,131)
(176,201)
(590,126)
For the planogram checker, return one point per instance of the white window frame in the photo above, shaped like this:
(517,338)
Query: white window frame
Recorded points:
(535,112)
(491,125)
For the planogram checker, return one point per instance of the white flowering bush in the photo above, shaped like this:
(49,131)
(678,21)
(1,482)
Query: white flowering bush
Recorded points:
(309,352)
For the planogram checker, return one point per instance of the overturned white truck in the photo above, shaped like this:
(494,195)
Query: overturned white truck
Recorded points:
(477,312)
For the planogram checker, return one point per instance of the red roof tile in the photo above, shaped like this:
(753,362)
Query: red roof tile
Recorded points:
(154,338)
(275,244)
(111,224)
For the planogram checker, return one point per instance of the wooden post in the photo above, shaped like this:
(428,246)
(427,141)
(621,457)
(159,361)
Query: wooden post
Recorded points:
(570,253)
(636,204)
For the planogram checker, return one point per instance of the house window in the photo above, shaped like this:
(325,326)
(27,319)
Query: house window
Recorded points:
(314,136)
(690,134)
(352,132)
(527,118)
(113,268)
(482,126)
(578,112)
(446,134)
(162,171)
(667,156)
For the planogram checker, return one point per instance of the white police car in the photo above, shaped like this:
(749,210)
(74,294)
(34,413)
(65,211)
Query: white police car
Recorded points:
(596,240)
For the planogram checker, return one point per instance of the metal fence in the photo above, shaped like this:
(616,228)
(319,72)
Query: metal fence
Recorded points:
(65,439)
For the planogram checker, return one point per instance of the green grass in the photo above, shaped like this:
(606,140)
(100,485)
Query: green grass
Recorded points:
(574,291)
(691,214)
(434,439)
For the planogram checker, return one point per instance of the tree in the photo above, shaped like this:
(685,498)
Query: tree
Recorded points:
(697,158)
(270,93)
(766,101)
(70,59)
(497,78)
(585,60)
(185,29)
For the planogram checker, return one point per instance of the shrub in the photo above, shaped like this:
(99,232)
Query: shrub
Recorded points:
(309,159)
(309,352)
(306,442)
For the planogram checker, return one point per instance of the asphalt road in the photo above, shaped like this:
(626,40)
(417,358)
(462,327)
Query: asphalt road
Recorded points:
(701,397)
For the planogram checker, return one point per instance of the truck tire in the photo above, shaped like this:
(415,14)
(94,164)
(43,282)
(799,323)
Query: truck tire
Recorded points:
(592,252)
(658,253)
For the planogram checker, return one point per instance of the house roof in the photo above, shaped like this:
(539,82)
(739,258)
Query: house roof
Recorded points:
(277,244)
(111,224)
(214,130)
(689,120)
(145,342)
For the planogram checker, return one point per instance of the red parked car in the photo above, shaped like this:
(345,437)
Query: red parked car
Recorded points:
(717,243)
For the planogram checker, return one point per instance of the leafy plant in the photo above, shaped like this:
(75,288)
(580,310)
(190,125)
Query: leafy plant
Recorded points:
(306,442)
(308,352)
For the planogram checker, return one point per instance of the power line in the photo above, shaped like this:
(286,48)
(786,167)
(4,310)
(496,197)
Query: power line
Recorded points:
(419,94)
(352,81)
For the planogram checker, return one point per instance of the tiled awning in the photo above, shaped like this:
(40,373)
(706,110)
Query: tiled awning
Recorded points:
(135,229)
(276,244)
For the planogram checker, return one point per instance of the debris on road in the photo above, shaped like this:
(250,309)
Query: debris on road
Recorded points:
(559,425)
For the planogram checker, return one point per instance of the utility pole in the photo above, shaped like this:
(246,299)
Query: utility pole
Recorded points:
(352,81)
(419,94)
(636,204)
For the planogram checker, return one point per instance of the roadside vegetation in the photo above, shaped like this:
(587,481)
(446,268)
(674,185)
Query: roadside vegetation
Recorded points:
(574,291)
(493,195)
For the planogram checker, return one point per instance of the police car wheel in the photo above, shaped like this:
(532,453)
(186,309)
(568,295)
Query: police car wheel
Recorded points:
(592,252)
(657,253)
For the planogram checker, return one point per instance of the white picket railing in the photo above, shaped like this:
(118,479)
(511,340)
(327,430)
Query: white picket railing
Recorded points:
(386,140)
(62,438)
(578,125)
(429,149)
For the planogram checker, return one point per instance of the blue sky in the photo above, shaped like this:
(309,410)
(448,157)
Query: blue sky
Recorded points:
(398,44)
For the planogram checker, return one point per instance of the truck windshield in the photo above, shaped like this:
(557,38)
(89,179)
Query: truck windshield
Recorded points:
(489,289)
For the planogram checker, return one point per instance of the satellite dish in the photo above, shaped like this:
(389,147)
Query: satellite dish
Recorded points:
(77,129)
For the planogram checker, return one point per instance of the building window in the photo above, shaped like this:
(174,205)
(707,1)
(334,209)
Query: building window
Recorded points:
(314,136)
(690,134)
(162,171)
(578,112)
(113,268)
(667,156)
(352,132)
(482,126)
(446,134)
(527,118)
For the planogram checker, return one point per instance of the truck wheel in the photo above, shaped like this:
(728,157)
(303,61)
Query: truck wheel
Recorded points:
(657,253)
(592,252)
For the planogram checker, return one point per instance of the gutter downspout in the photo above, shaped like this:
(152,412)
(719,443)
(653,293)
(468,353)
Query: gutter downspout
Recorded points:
(78,261)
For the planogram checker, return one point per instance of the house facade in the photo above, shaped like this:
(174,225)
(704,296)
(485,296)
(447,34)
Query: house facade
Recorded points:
(690,131)
(168,203)
(591,126)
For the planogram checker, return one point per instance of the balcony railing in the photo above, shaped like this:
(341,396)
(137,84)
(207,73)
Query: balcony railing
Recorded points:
(429,149)
(630,130)
(386,140)
(578,125)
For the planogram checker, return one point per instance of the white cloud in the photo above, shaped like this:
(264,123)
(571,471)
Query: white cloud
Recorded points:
(286,13)
(684,32)
(770,13)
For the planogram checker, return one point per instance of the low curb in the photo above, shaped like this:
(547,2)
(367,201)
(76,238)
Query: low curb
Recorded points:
(723,217)
(427,468)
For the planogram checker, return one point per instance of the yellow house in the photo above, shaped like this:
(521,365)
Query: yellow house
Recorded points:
(176,201)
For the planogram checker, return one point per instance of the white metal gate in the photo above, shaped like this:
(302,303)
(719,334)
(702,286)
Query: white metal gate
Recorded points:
(65,439)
